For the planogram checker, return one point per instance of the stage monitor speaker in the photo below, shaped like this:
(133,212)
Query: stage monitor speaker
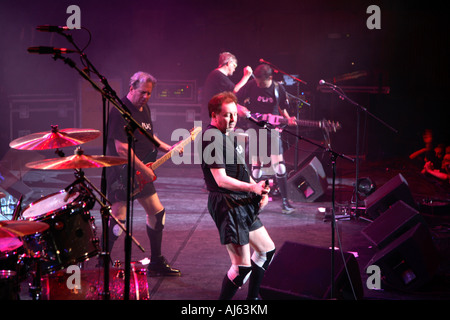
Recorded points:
(395,221)
(300,271)
(305,151)
(410,261)
(392,191)
(309,183)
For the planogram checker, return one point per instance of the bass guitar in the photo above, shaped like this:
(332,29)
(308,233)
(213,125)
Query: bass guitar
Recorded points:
(140,181)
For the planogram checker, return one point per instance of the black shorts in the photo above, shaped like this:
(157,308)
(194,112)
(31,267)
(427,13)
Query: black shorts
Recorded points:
(235,215)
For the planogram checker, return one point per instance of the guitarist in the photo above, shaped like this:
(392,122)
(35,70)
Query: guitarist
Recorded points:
(141,87)
(234,201)
(263,95)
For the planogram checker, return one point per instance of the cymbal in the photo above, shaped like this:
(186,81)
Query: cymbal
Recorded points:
(20,228)
(54,139)
(77,161)
(9,243)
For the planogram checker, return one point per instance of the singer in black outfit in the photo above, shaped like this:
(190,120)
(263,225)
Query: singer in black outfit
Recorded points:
(219,80)
(141,87)
(263,95)
(234,200)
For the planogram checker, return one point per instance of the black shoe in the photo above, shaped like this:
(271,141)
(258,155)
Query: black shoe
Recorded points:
(286,207)
(159,267)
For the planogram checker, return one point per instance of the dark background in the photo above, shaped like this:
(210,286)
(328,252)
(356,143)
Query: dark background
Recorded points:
(181,40)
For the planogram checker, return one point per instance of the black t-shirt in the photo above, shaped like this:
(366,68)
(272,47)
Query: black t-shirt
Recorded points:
(221,151)
(263,100)
(215,83)
(145,150)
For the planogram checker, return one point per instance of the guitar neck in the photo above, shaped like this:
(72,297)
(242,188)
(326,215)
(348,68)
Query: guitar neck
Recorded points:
(277,120)
(280,120)
(160,161)
(308,123)
(168,155)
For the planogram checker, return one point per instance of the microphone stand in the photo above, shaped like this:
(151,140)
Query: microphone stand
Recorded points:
(276,69)
(131,126)
(299,101)
(359,108)
(333,157)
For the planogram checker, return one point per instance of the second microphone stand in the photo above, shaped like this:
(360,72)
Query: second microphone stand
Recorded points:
(333,158)
(359,108)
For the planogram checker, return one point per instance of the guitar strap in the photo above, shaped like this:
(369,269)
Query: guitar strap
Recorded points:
(277,94)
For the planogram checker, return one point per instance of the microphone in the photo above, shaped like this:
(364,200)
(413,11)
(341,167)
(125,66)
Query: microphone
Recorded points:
(264,61)
(48,28)
(249,116)
(49,50)
(322,82)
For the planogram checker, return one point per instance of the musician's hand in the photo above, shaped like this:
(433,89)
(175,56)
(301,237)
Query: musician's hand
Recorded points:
(242,111)
(248,71)
(178,149)
(261,188)
(292,121)
(148,174)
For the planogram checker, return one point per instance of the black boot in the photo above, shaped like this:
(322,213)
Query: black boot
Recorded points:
(158,264)
(229,289)
(282,186)
(159,267)
(257,275)
(286,207)
(254,282)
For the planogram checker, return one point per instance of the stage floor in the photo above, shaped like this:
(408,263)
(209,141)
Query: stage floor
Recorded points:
(191,241)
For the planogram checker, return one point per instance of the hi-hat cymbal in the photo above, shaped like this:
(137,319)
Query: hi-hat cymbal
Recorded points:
(20,228)
(77,161)
(54,139)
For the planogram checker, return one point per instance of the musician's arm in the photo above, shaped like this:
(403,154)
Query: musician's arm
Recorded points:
(164,147)
(122,150)
(247,74)
(286,115)
(227,182)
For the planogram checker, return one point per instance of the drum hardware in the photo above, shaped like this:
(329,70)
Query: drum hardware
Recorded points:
(47,245)
(9,287)
(105,211)
(22,229)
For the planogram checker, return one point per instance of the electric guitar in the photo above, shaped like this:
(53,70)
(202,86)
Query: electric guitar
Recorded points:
(140,181)
(276,120)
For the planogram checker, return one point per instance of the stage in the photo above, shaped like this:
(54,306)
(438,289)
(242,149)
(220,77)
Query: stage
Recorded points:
(191,241)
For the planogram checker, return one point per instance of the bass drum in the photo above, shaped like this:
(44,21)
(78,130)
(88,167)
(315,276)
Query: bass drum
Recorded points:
(71,238)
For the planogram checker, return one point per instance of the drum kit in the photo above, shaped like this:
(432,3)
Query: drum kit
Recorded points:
(57,230)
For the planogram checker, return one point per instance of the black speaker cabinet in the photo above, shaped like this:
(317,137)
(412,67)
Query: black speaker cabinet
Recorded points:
(410,261)
(392,223)
(309,183)
(392,191)
(301,271)
(305,151)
